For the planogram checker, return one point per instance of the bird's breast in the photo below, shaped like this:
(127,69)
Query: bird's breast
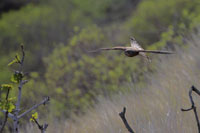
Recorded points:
(130,53)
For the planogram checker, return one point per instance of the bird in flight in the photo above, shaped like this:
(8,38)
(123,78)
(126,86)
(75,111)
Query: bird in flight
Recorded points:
(134,50)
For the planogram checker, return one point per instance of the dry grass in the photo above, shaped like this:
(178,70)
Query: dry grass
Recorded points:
(155,109)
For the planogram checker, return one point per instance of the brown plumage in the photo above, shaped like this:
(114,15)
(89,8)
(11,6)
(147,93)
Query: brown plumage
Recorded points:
(134,50)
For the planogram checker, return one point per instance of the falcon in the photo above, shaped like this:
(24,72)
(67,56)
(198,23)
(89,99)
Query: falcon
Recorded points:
(134,50)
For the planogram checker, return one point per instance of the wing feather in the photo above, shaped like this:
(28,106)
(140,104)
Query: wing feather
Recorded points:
(155,51)
(113,48)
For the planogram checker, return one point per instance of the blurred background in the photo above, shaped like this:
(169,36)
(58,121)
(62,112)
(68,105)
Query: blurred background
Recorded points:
(57,36)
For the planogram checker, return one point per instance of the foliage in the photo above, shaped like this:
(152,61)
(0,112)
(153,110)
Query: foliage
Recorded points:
(154,17)
(17,77)
(7,104)
(103,10)
(6,87)
(34,116)
(58,36)
(42,27)
(7,5)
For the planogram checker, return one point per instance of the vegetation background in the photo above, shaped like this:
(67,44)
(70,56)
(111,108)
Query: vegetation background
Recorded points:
(87,90)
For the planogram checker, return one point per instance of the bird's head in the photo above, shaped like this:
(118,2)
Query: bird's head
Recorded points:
(132,39)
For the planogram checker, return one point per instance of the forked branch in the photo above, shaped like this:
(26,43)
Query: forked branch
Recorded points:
(41,127)
(122,115)
(193,107)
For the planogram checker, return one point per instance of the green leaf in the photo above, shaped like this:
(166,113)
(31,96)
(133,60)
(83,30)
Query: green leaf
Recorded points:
(17,77)
(6,86)
(7,105)
(34,116)
(12,62)
(11,107)
(16,60)
(31,119)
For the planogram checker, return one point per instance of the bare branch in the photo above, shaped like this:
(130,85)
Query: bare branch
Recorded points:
(195,90)
(34,107)
(19,96)
(21,83)
(122,115)
(193,107)
(23,55)
(186,109)
(24,82)
(44,127)
(41,127)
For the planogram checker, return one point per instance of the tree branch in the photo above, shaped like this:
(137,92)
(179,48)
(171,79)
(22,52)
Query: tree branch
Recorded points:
(6,113)
(23,56)
(21,83)
(19,96)
(34,107)
(41,127)
(122,115)
(9,114)
(196,90)
(193,107)
(15,115)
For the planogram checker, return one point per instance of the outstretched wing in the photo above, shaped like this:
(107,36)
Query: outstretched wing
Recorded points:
(155,51)
(113,48)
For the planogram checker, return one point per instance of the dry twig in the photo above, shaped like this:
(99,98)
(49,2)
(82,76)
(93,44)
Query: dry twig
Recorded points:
(193,107)
(122,115)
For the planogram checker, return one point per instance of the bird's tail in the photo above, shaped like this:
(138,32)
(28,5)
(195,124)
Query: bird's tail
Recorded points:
(146,57)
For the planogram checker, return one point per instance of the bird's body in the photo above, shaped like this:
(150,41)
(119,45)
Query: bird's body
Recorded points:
(136,46)
(135,50)
(131,53)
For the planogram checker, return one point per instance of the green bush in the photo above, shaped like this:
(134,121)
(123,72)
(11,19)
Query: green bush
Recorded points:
(154,17)
(58,35)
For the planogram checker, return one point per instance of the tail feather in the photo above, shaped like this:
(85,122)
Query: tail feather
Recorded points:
(145,56)
(149,59)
